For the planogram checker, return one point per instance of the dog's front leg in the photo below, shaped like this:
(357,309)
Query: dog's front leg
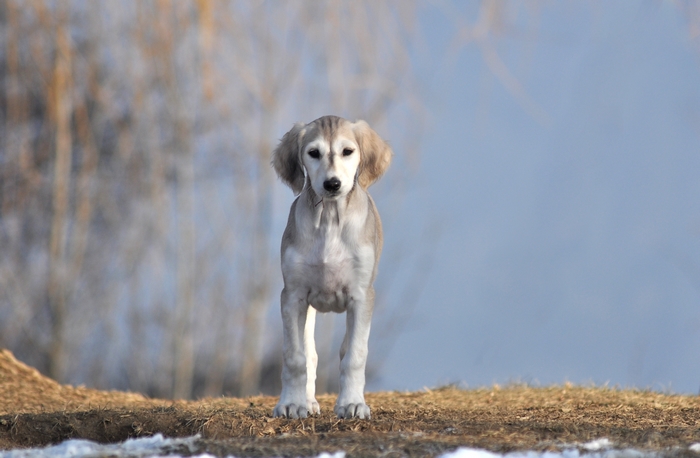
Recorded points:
(293,402)
(353,359)
(311,361)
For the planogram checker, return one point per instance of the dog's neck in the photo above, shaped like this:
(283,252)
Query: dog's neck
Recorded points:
(330,212)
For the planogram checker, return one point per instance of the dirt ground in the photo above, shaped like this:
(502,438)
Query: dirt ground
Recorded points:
(36,411)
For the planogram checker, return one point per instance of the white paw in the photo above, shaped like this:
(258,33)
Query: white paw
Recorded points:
(313,407)
(290,411)
(359,410)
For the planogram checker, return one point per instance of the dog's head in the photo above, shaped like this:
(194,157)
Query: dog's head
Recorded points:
(335,153)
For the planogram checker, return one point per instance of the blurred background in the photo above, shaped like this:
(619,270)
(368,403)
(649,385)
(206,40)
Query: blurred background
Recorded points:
(542,214)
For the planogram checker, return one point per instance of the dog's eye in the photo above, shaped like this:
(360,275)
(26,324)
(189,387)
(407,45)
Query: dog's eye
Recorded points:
(348,151)
(314,153)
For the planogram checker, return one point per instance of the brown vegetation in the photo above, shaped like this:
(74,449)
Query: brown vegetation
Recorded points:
(36,411)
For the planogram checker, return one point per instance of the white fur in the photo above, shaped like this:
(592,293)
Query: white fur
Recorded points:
(330,252)
(343,167)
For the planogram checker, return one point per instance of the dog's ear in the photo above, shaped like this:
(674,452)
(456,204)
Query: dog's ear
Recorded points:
(375,154)
(286,160)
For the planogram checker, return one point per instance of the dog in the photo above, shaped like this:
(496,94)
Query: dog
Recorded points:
(330,251)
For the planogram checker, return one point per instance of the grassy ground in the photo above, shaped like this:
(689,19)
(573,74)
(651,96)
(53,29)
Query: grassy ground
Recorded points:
(36,411)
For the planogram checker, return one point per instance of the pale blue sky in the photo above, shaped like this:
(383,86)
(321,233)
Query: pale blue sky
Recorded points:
(569,246)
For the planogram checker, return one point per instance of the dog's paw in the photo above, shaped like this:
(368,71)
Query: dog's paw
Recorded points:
(290,411)
(313,407)
(359,410)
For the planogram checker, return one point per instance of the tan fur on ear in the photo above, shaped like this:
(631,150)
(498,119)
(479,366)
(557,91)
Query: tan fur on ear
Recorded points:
(286,161)
(375,154)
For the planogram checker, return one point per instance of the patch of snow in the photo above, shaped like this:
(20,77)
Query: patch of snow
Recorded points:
(159,446)
(464,452)
(595,449)
(598,444)
(143,447)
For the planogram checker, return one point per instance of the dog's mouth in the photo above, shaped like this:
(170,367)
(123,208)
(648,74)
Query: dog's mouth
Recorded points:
(331,194)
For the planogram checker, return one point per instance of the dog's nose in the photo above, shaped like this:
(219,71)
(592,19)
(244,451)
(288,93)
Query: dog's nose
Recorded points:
(331,185)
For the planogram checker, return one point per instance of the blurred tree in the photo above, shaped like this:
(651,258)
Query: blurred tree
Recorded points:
(136,195)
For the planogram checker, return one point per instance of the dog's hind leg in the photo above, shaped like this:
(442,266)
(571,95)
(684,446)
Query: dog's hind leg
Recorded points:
(311,361)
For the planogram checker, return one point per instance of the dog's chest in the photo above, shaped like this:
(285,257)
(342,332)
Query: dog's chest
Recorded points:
(330,261)
(330,267)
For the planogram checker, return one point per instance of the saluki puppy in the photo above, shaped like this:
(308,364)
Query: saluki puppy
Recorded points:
(330,251)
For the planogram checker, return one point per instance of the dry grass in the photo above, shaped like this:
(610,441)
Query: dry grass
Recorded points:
(36,411)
